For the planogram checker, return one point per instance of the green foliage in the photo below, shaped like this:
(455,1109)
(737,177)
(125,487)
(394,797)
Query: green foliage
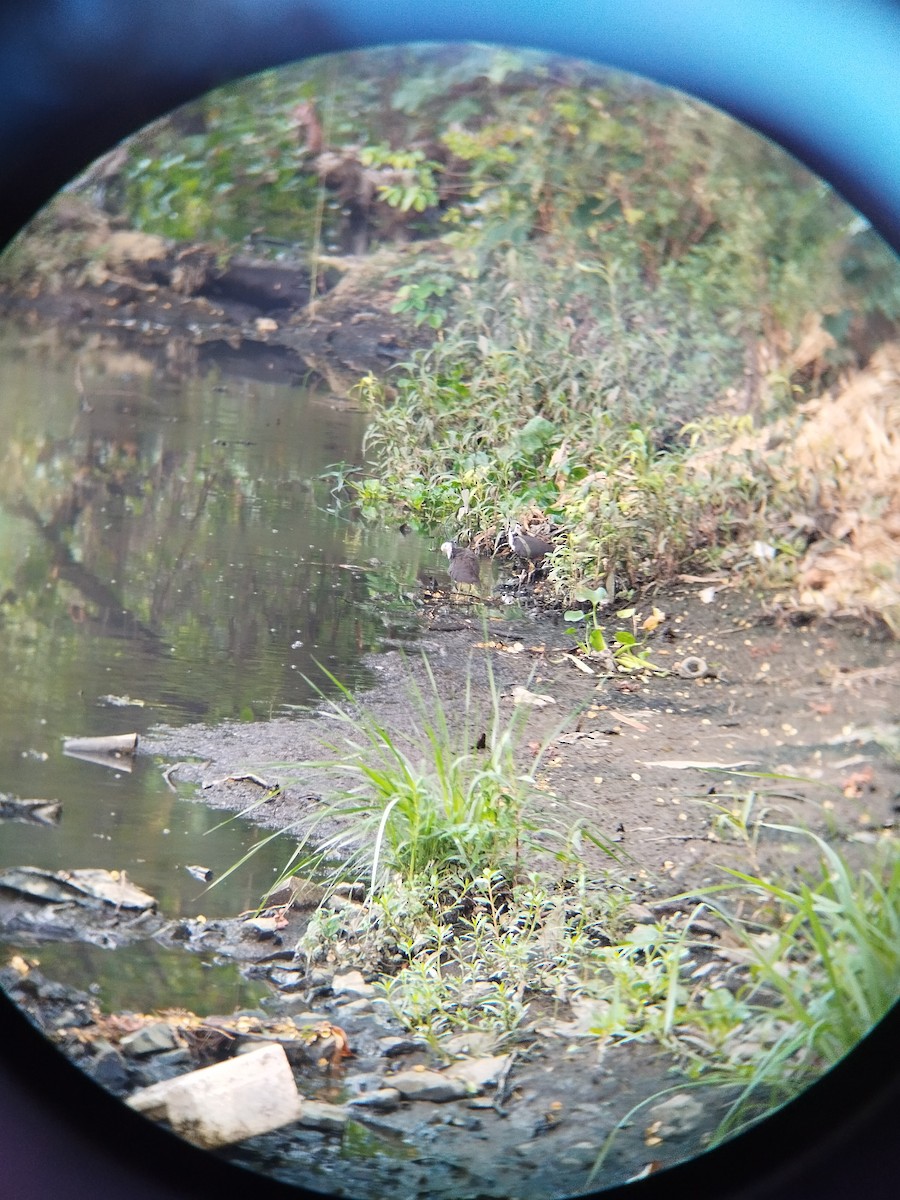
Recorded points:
(625,650)
(822,961)
(418,296)
(605,261)
(418,190)
(223,167)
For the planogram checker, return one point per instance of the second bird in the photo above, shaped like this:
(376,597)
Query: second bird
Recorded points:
(528,545)
(465,565)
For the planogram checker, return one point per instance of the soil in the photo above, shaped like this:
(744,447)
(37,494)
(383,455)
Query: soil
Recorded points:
(790,714)
(643,759)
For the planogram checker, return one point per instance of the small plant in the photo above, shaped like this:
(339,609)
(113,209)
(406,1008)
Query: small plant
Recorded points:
(821,968)
(585,626)
(427,800)
(418,294)
(625,649)
(823,961)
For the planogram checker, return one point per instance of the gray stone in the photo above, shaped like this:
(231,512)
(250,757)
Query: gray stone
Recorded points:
(580,1155)
(427,1085)
(352,984)
(353,1007)
(640,913)
(381,1100)
(286,980)
(393,1047)
(108,1068)
(327,1118)
(152,1039)
(478,1073)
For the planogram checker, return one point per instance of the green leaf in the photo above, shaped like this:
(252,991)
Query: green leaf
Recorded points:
(597,640)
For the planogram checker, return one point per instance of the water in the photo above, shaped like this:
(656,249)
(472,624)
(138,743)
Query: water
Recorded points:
(168,554)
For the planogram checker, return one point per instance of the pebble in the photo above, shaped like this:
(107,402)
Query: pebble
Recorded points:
(108,1068)
(353,984)
(382,1100)
(679,1115)
(353,1007)
(286,980)
(393,1047)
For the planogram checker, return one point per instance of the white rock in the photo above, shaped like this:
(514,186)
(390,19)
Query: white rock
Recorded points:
(228,1102)
(352,984)
(477,1073)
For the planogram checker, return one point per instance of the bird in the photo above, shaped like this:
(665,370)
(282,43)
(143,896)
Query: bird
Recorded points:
(528,546)
(465,566)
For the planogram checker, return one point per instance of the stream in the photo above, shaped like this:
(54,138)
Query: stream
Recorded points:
(169,554)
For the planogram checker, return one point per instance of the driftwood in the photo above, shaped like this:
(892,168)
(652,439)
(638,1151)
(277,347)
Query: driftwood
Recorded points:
(116,743)
(86,885)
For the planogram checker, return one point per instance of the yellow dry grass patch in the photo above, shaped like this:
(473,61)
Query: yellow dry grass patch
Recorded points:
(844,459)
(847,456)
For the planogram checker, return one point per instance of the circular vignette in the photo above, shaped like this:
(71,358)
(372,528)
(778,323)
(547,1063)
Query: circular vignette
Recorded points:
(77,76)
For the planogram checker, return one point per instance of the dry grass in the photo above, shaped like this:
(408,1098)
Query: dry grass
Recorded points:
(847,457)
(839,469)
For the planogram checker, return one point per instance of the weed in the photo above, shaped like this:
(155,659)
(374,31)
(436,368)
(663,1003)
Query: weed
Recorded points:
(821,968)
(427,800)
(624,651)
(823,958)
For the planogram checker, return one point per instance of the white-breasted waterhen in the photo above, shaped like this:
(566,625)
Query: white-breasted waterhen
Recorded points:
(465,565)
(528,546)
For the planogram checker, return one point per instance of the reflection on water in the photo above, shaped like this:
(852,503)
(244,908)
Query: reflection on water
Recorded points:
(167,554)
(148,976)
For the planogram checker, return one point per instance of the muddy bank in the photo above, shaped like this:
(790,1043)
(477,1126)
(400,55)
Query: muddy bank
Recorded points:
(641,758)
(528,1118)
(188,308)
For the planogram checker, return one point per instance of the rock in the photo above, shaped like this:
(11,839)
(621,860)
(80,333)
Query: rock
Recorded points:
(353,1008)
(286,980)
(472,1042)
(478,1073)
(427,1085)
(260,927)
(250,1047)
(108,1068)
(394,1047)
(639,913)
(381,1100)
(352,984)
(580,1156)
(152,1039)
(158,1068)
(675,1117)
(228,1102)
(328,1118)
